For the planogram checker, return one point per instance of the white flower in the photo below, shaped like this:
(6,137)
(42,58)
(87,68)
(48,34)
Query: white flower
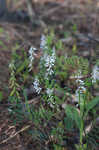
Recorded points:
(11,65)
(95,74)
(49,63)
(31,57)
(78,75)
(80,90)
(50,100)
(49,60)
(49,92)
(79,95)
(43,42)
(32,50)
(37,85)
(81,82)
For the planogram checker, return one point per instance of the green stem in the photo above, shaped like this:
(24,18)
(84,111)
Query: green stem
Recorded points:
(81,132)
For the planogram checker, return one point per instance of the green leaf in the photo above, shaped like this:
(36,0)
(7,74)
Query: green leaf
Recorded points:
(68,111)
(13,91)
(22,66)
(72,113)
(1,96)
(69,123)
(91,105)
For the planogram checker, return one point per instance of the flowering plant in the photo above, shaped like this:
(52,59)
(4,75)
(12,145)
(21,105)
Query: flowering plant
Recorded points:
(59,79)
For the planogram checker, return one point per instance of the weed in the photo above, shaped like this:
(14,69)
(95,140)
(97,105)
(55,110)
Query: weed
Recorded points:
(53,117)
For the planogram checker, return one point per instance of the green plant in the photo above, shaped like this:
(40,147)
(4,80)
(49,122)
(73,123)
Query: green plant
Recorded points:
(13,83)
(79,117)
(54,75)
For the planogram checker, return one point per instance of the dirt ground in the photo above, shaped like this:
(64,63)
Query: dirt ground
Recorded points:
(60,15)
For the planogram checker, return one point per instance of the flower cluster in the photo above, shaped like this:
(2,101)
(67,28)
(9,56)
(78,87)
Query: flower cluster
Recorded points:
(48,59)
(49,63)
(31,57)
(95,74)
(36,85)
(80,90)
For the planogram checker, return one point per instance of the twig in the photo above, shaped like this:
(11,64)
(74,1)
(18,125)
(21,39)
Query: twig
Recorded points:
(34,100)
(12,136)
(46,14)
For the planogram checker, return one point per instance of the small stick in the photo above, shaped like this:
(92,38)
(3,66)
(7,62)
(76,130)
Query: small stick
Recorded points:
(12,136)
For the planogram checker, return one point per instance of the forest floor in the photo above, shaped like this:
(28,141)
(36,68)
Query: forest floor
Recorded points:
(62,17)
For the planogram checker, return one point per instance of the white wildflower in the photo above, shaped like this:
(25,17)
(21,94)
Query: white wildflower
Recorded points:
(95,74)
(37,85)
(78,75)
(11,65)
(81,82)
(80,90)
(49,63)
(50,99)
(10,110)
(49,92)
(31,57)
(43,42)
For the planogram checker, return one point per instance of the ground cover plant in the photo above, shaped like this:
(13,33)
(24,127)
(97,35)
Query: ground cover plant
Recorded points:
(49,88)
(52,91)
